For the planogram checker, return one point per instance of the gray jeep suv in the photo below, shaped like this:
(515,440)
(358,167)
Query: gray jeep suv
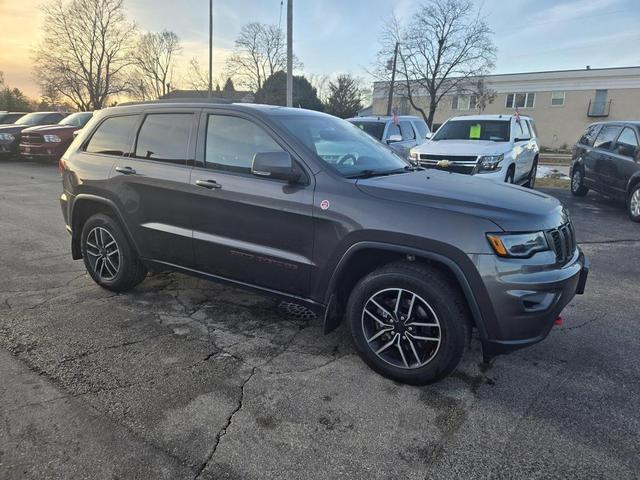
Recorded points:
(309,208)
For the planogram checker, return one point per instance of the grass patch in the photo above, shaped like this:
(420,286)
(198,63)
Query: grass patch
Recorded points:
(553,182)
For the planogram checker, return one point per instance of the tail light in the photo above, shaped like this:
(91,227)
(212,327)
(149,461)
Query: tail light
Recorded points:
(61,166)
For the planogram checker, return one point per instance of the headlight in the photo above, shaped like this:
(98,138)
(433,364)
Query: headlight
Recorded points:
(490,163)
(52,138)
(518,245)
(414,156)
(7,137)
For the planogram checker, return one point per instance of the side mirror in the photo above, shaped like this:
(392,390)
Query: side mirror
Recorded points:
(75,134)
(521,140)
(429,135)
(278,165)
(627,150)
(394,139)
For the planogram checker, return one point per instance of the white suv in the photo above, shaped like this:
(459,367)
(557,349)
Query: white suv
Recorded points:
(502,148)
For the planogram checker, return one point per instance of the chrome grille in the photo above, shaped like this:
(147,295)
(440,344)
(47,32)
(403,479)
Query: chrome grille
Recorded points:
(31,138)
(563,241)
(457,163)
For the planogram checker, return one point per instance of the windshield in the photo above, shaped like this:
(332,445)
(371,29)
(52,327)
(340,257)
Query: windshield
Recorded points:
(494,130)
(31,118)
(77,119)
(375,129)
(343,146)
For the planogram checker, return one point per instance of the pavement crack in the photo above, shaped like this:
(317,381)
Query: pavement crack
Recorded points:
(111,347)
(228,423)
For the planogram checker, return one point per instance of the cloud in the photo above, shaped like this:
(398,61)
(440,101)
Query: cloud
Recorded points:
(564,12)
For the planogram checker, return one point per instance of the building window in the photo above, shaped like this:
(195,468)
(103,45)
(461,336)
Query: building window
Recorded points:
(463,102)
(520,100)
(557,99)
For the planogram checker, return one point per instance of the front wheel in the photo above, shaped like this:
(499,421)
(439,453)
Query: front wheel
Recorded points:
(408,322)
(633,203)
(510,177)
(108,256)
(531,182)
(577,183)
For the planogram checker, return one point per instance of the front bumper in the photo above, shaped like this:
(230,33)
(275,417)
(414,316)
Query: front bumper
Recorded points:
(47,151)
(527,297)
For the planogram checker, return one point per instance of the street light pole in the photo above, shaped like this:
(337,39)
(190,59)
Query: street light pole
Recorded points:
(393,79)
(210,93)
(289,53)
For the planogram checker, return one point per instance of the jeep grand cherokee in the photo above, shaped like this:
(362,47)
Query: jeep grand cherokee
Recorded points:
(307,207)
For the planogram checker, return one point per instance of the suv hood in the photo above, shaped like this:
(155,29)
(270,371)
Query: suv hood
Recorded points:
(511,207)
(464,147)
(13,128)
(51,129)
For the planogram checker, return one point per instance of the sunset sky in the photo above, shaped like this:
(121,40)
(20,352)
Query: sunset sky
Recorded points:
(334,36)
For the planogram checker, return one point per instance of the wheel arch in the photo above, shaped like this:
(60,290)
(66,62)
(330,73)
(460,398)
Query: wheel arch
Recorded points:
(633,181)
(84,206)
(362,258)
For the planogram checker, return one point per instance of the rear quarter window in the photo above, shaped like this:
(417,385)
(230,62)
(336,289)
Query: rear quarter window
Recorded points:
(589,135)
(606,136)
(113,136)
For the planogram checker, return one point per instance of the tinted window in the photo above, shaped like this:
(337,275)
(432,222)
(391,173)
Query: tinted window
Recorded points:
(79,119)
(7,118)
(495,130)
(406,130)
(165,137)
(627,143)
(375,129)
(52,118)
(32,119)
(421,128)
(589,135)
(232,143)
(606,136)
(113,136)
(522,130)
(393,130)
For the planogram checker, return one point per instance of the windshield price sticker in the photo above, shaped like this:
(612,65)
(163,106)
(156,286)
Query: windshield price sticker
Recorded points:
(475,131)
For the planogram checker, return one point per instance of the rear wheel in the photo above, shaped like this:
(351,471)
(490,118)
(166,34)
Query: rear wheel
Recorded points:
(577,183)
(408,323)
(108,255)
(633,203)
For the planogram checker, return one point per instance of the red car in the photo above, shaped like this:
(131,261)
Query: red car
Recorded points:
(49,142)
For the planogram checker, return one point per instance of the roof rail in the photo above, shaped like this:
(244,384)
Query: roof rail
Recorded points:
(225,101)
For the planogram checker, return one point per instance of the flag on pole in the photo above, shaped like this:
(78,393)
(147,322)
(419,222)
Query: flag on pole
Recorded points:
(517,116)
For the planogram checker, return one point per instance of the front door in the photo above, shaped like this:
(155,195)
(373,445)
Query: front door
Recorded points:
(523,148)
(152,184)
(249,228)
(600,158)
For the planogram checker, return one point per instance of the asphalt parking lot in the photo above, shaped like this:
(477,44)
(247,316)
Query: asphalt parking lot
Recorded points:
(188,379)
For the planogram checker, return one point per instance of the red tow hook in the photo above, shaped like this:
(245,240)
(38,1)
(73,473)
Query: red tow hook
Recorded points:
(558,322)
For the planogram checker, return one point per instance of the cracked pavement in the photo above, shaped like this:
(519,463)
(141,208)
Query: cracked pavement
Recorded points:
(183,378)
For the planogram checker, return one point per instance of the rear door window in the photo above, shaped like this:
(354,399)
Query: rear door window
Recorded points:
(607,135)
(113,136)
(406,130)
(165,137)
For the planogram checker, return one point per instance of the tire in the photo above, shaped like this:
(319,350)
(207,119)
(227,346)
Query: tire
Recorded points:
(108,256)
(531,183)
(577,182)
(408,356)
(510,177)
(633,203)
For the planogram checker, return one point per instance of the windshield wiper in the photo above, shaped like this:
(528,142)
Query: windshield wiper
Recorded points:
(382,173)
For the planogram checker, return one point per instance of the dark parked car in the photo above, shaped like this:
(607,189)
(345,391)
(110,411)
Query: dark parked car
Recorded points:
(7,118)
(10,134)
(607,160)
(244,194)
(401,136)
(49,142)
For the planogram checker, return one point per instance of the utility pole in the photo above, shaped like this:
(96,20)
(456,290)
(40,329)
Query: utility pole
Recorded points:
(210,93)
(289,53)
(393,79)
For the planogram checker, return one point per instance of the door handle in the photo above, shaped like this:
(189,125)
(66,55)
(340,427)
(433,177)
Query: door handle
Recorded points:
(126,170)
(210,184)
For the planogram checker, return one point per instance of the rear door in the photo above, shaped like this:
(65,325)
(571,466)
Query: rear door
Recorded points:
(248,228)
(623,159)
(601,160)
(524,151)
(151,184)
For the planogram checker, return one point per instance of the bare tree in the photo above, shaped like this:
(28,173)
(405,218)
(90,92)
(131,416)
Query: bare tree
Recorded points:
(260,51)
(196,77)
(445,45)
(154,57)
(320,82)
(483,93)
(84,52)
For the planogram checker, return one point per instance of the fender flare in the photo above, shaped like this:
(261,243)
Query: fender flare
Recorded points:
(633,181)
(331,322)
(75,234)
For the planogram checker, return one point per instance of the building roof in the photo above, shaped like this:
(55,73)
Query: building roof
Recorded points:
(553,80)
